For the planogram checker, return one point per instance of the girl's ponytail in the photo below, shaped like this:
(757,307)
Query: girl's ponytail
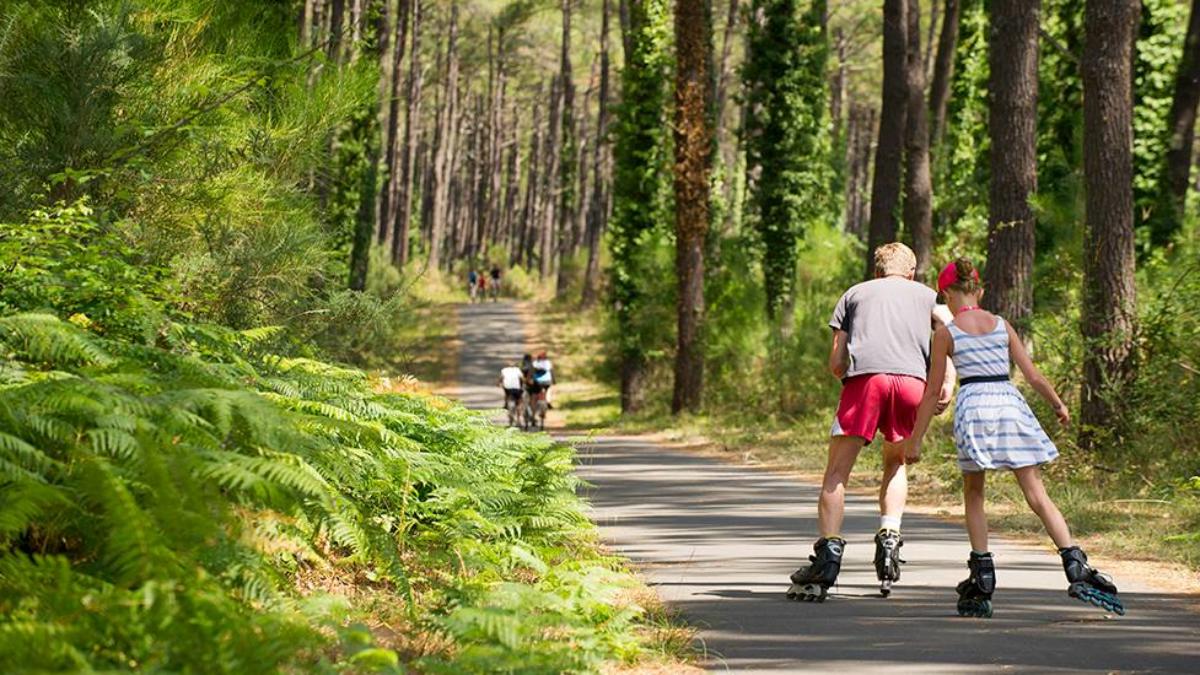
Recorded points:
(966,271)
(961,276)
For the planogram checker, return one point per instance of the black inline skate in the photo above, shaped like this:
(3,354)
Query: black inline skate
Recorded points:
(975,593)
(1088,585)
(813,581)
(887,559)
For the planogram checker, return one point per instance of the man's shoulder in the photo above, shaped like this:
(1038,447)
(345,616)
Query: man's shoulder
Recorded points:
(911,286)
(889,287)
(859,288)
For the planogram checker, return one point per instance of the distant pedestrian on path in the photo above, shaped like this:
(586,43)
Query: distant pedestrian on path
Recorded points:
(472,284)
(994,428)
(495,282)
(881,330)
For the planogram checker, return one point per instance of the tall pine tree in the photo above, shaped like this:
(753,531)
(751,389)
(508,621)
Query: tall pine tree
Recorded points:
(786,136)
(638,163)
(694,97)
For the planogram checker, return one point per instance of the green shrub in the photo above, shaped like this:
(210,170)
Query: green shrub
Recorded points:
(159,502)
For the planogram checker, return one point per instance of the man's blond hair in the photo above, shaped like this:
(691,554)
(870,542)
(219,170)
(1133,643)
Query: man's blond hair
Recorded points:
(895,258)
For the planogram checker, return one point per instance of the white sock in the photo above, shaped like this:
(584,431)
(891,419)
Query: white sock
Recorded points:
(890,523)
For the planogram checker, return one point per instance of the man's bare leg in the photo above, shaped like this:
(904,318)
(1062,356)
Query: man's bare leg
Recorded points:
(831,509)
(893,491)
(812,582)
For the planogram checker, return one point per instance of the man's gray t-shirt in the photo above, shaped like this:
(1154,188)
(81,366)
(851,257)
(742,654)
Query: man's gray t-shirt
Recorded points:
(889,322)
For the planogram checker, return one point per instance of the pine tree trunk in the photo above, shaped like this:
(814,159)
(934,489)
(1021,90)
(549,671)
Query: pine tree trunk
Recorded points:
(385,41)
(918,186)
(495,196)
(337,17)
(512,184)
(360,251)
(318,38)
(927,57)
(583,188)
(885,187)
(356,26)
(1012,121)
(638,154)
(693,162)
(626,35)
(866,145)
(597,207)
(725,69)
(837,85)
(1181,130)
(391,131)
(531,214)
(728,137)
(459,218)
(569,150)
(306,19)
(430,139)
(551,179)
(943,69)
(854,129)
(443,154)
(408,150)
(1109,310)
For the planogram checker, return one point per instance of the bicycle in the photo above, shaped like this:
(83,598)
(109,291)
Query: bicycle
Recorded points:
(535,413)
(515,409)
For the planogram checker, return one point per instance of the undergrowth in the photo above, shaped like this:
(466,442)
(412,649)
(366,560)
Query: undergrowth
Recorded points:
(161,503)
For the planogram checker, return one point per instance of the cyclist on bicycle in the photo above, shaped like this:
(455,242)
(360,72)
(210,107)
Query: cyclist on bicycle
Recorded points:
(511,378)
(543,375)
(531,386)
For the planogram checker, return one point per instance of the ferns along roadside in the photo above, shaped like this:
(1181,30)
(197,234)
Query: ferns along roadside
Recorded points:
(159,503)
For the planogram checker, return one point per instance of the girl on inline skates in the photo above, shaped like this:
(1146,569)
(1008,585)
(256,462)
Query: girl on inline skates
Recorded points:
(995,429)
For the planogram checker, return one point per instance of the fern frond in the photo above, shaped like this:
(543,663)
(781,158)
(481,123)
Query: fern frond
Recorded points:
(43,338)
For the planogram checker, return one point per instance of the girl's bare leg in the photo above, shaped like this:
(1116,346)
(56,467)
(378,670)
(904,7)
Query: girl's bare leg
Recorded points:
(1030,480)
(977,528)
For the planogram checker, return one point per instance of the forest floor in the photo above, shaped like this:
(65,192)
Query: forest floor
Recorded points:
(717,538)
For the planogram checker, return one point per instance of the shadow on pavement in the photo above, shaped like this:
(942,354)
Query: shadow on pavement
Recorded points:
(492,336)
(718,541)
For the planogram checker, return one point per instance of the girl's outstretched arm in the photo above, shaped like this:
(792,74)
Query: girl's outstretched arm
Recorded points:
(942,344)
(1020,356)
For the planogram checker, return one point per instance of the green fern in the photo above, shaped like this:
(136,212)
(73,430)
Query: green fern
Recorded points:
(132,465)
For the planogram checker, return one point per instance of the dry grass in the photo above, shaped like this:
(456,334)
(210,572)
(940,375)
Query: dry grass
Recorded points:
(431,357)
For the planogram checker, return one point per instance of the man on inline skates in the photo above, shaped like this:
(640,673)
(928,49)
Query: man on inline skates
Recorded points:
(880,351)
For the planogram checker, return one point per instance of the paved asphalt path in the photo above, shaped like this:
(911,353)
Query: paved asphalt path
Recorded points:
(717,541)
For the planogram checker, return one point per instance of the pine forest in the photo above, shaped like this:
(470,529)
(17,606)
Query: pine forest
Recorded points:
(233,235)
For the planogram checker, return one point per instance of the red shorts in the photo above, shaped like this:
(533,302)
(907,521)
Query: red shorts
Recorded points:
(876,401)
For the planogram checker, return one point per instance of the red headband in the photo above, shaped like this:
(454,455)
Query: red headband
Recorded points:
(949,276)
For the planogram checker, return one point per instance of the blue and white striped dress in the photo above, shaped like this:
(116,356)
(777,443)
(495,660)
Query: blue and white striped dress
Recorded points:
(993,425)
